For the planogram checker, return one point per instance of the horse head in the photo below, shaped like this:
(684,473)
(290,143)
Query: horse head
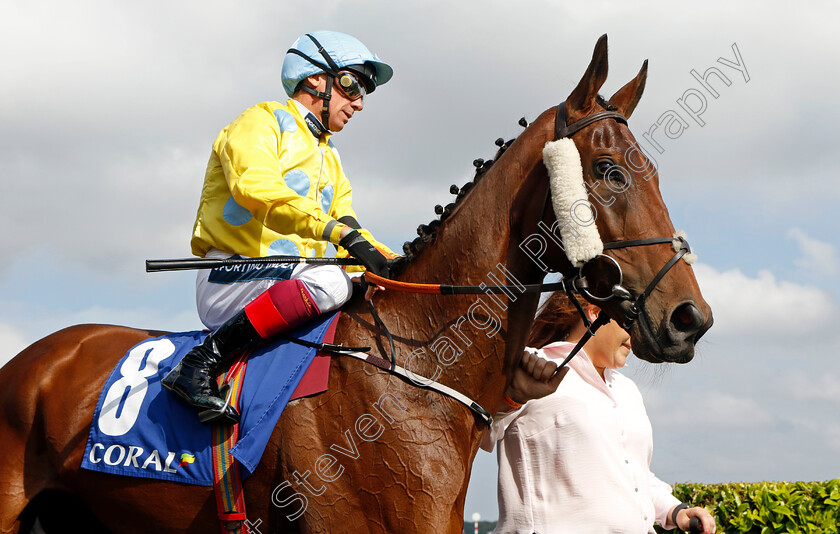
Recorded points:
(616,246)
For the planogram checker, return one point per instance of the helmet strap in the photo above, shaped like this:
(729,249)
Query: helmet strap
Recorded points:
(325,97)
(325,102)
(331,72)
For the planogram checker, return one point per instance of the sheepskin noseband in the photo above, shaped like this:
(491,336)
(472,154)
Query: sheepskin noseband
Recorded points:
(575,215)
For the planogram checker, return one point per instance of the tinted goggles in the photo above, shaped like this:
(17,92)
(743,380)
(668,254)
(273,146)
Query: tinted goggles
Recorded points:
(350,85)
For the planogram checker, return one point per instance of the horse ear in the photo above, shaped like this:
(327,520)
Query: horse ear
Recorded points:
(582,100)
(626,98)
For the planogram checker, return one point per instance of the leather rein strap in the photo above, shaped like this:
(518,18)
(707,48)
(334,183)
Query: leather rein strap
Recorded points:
(424,382)
(575,284)
(634,307)
(443,289)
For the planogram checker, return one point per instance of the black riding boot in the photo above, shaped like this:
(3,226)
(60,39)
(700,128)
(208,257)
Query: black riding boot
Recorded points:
(194,378)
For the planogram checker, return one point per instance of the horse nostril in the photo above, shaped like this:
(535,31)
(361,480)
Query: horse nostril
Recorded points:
(687,318)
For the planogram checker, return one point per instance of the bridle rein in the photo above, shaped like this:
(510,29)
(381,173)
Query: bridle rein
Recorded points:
(632,307)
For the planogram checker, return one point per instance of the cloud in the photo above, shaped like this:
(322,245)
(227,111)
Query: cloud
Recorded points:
(817,256)
(152,319)
(113,108)
(12,341)
(759,400)
(761,305)
(826,429)
(824,387)
(722,411)
(109,110)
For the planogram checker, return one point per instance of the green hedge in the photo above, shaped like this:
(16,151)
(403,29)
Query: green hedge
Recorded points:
(484,527)
(767,507)
(760,507)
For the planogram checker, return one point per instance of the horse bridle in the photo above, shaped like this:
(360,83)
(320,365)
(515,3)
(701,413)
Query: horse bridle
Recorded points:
(632,307)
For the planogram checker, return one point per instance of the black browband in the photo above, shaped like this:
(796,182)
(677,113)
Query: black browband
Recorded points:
(561,129)
(634,307)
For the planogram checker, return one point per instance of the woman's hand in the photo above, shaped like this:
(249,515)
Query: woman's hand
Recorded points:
(534,378)
(707,520)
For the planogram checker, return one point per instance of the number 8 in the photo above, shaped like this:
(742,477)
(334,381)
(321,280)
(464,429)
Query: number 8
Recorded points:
(125,396)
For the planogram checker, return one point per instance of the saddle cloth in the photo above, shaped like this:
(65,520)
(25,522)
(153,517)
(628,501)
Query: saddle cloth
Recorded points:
(141,430)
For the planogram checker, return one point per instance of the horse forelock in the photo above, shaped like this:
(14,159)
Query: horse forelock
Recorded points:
(605,104)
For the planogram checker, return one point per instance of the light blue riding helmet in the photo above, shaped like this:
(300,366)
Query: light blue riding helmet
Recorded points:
(336,51)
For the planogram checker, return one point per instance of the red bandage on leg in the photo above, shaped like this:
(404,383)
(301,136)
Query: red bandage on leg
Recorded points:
(284,306)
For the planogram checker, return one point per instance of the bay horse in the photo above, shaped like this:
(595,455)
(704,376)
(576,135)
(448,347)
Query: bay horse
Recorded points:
(377,453)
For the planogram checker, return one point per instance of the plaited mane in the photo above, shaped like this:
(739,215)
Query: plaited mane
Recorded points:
(428,232)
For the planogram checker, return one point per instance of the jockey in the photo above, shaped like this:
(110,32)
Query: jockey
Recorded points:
(274,185)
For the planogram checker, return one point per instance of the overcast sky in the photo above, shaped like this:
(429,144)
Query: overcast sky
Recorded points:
(109,109)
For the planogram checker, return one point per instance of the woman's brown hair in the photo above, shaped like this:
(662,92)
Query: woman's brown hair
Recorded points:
(555,320)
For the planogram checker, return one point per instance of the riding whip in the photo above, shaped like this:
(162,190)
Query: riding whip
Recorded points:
(210,263)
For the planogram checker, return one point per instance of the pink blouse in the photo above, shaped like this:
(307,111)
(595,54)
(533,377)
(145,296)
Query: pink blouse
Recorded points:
(578,460)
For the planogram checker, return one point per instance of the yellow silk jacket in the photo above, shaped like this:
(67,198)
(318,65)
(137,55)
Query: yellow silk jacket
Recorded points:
(273,187)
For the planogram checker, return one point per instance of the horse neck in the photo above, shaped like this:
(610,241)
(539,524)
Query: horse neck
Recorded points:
(475,245)
(477,235)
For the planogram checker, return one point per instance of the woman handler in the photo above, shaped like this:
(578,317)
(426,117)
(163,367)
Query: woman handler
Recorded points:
(578,459)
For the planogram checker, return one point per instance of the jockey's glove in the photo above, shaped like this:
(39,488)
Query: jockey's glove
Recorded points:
(362,249)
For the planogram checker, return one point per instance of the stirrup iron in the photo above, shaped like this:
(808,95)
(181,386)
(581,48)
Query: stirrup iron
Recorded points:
(226,415)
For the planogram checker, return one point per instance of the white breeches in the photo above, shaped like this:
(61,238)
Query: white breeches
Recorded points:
(222,293)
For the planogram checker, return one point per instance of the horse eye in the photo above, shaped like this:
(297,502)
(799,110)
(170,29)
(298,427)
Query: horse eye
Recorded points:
(601,167)
(608,170)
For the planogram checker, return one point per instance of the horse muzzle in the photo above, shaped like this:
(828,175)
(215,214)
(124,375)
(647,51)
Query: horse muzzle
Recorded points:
(674,338)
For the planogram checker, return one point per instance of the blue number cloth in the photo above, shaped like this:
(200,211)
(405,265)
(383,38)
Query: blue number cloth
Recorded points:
(139,429)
